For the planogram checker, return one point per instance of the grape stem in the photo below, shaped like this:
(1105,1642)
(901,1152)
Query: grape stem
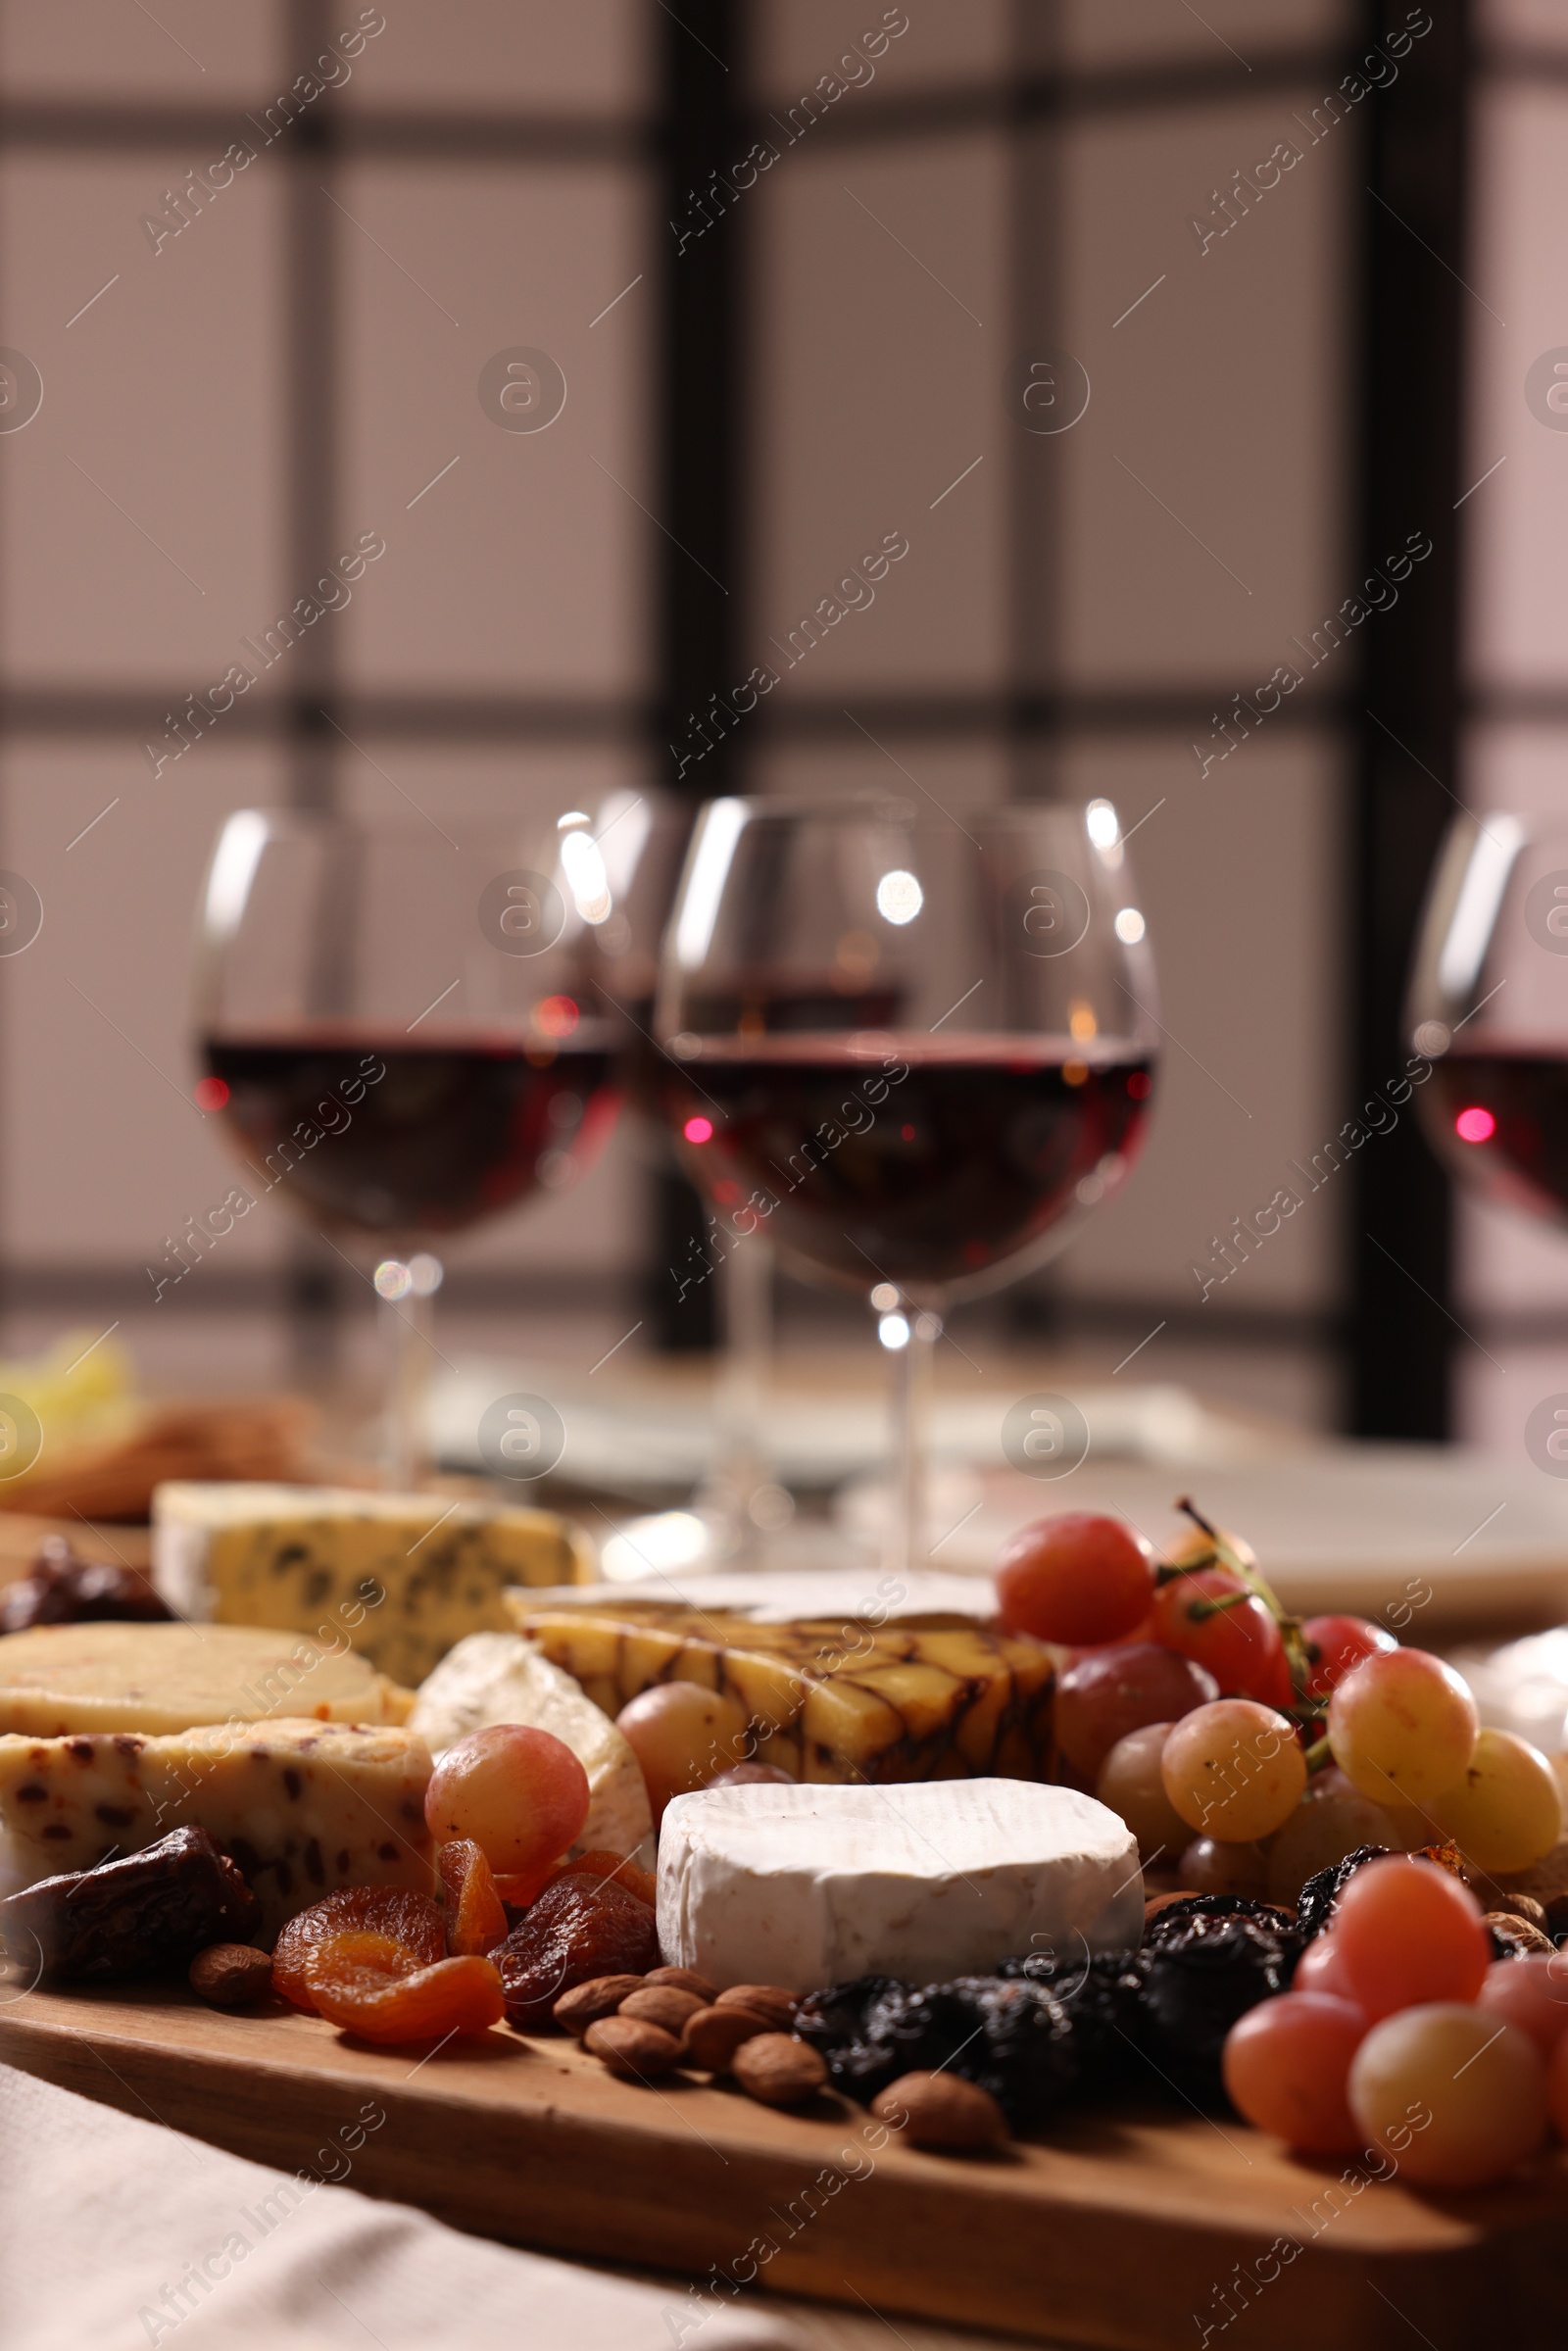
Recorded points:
(1310,1709)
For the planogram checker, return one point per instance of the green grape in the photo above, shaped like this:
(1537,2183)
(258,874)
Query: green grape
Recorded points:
(1402,1727)
(1324,1827)
(1457,2096)
(1234,1770)
(1130,1783)
(1506,1812)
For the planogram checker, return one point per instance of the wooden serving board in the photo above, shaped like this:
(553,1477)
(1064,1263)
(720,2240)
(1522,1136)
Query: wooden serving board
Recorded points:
(1124,2228)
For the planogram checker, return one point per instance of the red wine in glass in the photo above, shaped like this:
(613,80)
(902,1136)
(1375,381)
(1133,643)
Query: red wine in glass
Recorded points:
(417,1135)
(1499,1117)
(924,1165)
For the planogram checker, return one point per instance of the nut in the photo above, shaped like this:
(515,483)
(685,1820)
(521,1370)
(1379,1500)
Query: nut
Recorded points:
(770,2001)
(586,2003)
(1516,1934)
(684,1979)
(1521,1906)
(942,2110)
(633,2051)
(713,2034)
(664,2004)
(229,1975)
(778,2070)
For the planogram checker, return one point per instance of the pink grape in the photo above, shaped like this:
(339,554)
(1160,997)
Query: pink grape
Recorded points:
(519,1793)
(1286,2069)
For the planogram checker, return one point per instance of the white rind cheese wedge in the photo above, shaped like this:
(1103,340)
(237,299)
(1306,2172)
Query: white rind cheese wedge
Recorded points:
(56,1679)
(303,1808)
(810,1886)
(402,1576)
(501,1677)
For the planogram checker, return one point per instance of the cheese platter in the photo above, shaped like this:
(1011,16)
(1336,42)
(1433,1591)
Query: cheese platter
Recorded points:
(1124,1956)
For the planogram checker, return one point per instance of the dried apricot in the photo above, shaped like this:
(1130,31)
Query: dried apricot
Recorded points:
(605,1865)
(477,1919)
(578,1929)
(362,1985)
(410,1919)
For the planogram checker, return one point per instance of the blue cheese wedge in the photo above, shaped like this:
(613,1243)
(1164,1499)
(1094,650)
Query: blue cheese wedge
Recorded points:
(403,1577)
(56,1679)
(501,1677)
(301,1806)
(815,1885)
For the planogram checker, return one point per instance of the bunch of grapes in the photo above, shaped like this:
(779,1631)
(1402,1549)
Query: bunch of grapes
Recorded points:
(1246,1749)
(1190,1701)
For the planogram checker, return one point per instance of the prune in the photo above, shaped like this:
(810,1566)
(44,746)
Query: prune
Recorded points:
(370,1985)
(59,1588)
(410,1919)
(1203,1971)
(1178,1917)
(578,1929)
(833,2019)
(150,1910)
(1014,2039)
(475,1918)
(1319,1895)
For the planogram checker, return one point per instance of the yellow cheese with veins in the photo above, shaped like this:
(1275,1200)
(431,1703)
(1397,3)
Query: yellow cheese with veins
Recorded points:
(824,1701)
(56,1679)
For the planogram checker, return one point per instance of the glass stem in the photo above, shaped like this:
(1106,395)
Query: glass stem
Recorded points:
(747,1302)
(908,1536)
(407,1318)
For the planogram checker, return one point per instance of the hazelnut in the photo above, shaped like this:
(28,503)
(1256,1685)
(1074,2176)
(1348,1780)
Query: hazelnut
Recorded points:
(1522,1906)
(777,2070)
(229,1975)
(586,2003)
(1516,1936)
(684,1979)
(770,2001)
(664,2004)
(713,2034)
(633,2051)
(942,2110)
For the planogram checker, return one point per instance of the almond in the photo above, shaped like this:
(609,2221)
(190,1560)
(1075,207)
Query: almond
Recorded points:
(662,2004)
(768,2001)
(586,2003)
(778,2070)
(636,2051)
(713,2034)
(942,2110)
(228,1975)
(684,1979)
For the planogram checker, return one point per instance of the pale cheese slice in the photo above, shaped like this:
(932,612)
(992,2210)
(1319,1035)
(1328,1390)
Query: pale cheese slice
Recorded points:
(501,1677)
(56,1679)
(303,1808)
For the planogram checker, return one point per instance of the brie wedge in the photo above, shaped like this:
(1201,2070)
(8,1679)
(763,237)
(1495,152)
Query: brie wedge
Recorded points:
(810,1886)
(501,1677)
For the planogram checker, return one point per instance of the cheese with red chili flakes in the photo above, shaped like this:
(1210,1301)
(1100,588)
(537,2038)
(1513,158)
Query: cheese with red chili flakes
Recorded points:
(303,1808)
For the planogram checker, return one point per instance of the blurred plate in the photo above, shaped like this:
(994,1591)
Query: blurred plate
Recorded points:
(1417,1535)
(638,1440)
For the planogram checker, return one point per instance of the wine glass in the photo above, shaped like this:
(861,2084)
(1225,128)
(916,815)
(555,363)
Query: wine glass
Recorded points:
(913,1051)
(1489,1011)
(390,1029)
(643,838)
